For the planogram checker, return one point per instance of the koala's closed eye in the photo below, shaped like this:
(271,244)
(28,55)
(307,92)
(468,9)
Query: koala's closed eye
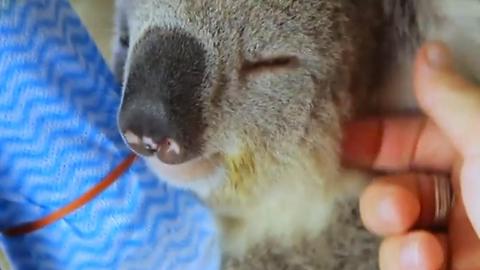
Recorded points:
(272,64)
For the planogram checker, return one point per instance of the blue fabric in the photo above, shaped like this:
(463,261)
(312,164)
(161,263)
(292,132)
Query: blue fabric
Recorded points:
(58,138)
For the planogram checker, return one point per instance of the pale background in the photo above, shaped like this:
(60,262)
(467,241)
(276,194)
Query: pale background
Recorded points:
(97,15)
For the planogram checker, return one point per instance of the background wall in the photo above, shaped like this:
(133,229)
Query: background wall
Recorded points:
(97,15)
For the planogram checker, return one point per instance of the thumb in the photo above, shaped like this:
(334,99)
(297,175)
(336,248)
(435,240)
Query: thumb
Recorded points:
(453,103)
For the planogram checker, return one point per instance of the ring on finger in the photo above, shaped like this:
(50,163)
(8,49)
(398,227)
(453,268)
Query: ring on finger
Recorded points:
(444,199)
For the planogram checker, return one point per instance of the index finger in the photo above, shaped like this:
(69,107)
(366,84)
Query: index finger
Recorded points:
(396,144)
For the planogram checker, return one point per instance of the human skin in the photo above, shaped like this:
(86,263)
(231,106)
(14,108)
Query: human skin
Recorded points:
(399,205)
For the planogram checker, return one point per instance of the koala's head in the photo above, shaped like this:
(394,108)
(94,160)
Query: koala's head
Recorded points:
(213,89)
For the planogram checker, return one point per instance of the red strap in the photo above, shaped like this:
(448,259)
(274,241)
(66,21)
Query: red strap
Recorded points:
(79,202)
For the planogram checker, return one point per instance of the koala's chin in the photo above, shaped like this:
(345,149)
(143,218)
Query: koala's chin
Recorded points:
(200,175)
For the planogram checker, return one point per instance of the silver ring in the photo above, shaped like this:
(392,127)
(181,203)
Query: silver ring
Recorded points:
(444,199)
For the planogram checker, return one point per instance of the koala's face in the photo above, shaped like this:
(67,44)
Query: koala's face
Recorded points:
(208,81)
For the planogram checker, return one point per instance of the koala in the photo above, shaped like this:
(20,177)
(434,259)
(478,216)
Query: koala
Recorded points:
(242,103)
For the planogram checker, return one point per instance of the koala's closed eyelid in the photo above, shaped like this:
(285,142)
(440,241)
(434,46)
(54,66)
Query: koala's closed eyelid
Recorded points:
(270,64)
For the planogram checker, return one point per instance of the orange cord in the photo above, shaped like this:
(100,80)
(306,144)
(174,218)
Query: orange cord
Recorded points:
(79,202)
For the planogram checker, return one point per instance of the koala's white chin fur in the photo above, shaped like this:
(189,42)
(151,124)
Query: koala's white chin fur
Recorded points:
(199,175)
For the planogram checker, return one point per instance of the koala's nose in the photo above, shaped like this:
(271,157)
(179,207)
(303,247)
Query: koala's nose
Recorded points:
(150,133)
(161,112)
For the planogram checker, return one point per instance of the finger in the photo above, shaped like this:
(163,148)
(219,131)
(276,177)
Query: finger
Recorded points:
(395,204)
(451,101)
(395,144)
(464,242)
(390,205)
(417,250)
(470,186)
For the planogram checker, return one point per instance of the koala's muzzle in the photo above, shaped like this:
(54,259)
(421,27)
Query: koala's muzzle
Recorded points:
(161,112)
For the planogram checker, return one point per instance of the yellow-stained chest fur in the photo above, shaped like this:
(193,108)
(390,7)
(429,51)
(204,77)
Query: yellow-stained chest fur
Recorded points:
(280,202)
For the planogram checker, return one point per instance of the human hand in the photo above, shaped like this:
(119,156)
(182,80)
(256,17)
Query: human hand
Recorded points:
(400,206)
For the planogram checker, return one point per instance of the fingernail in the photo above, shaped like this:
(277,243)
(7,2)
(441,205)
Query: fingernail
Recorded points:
(360,148)
(438,56)
(410,256)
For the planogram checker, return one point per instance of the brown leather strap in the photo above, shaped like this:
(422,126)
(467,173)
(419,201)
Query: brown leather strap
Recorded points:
(79,202)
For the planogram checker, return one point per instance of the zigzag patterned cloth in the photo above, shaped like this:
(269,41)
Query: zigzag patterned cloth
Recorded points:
(58,138)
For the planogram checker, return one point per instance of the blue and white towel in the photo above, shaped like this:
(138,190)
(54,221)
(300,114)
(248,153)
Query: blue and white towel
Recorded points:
(58,138)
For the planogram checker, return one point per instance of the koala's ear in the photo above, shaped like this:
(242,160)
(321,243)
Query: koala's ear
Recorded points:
(121,41)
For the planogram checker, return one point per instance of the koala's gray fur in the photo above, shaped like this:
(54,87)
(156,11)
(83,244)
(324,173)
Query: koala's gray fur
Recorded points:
(280,195)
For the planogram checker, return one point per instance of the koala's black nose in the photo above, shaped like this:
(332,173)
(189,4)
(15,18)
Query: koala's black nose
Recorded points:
(161,111)
(149,131)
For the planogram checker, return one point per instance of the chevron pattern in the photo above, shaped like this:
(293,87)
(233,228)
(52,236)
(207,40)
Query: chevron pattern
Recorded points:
(58,137)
